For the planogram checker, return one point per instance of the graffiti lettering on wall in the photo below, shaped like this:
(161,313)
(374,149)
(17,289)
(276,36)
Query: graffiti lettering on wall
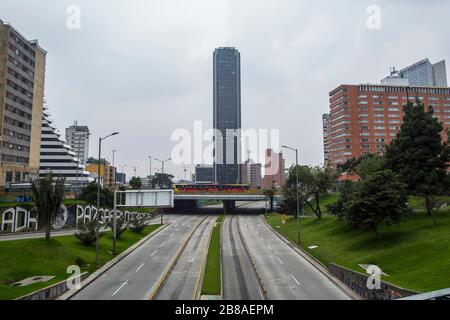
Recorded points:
(18,219)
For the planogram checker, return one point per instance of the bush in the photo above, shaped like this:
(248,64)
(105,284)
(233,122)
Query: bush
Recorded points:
(137,225)
(87,232)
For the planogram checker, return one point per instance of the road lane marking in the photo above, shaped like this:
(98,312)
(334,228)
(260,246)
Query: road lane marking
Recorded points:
(296,281)
(120,288)
(279,260)
(162,244)
(171,235)
(269,248)
(153,253)
(140,267)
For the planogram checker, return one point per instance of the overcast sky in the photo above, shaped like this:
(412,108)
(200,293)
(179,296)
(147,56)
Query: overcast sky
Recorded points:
(144,67)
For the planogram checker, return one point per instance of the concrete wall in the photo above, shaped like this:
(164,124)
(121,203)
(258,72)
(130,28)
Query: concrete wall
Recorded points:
(51,292)
(358,283)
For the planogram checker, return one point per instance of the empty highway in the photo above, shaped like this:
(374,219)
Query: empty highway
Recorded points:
(183,281)
(239,278)
(136,276)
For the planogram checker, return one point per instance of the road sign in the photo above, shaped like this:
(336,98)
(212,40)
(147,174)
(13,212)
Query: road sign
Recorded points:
(145,198)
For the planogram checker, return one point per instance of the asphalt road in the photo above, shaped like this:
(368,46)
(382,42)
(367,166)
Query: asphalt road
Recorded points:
(285,274)
(136,276)
(183,281)
(239,279)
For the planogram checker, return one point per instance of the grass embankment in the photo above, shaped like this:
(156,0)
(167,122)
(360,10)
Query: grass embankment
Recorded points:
(20,259)
(212,278)
(67,202)
(415,254)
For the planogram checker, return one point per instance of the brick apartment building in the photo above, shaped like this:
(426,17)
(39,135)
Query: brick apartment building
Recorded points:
(365,118)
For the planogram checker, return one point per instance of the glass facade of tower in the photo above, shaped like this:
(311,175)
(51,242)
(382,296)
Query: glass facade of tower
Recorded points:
(227,115)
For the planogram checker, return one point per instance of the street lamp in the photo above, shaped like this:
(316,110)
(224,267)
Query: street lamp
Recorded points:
(162,177)
(298,203)
(150,173)
(97,248)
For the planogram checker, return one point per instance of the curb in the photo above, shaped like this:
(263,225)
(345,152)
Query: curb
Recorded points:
(314,262)
(199,284)
(173,262)
(220,257)
(69,294)
(261,282)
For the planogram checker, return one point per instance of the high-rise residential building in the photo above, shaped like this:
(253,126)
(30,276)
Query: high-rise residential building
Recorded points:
(424,73)
(251,174)
(365,118)
(22,79)
(274,167)
(204,174)
(78,138)
(227,115)
(58,157)
(325,124)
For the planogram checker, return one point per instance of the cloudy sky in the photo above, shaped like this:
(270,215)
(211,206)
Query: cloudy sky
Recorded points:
(144,67)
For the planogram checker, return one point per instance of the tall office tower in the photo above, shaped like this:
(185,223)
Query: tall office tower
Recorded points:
(22,77)
(227,116)
(325,128)
(58,157)
(274,170)
(424,73)
(78,138)
(365,118)
(204,174)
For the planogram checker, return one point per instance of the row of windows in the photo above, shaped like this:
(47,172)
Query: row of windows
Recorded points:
(16,135)
(17,123)
(20,54)
(19,112)
(14,159)
(22,44)
(16,87)
(13,146)
(19,100)
(20,65)
(21,78)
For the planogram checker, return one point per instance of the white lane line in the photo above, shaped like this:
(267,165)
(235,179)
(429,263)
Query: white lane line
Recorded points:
(268,247)
(120,288)
(153,253)
(162,244)
(140,267)
(171,235)
(296,281)
(279,260)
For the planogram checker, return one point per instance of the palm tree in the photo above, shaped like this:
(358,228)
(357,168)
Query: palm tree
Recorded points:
(48,194)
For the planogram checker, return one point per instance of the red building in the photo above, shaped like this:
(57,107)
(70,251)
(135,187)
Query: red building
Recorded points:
(273,169)
(365,118)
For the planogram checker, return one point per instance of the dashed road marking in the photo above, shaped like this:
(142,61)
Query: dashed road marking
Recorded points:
(279,260)
(296,281)
(120,288)
(140,267)
(153,253)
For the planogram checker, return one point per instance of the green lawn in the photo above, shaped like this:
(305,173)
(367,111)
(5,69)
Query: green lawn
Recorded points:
(415,254)
(21,259)
(211,280)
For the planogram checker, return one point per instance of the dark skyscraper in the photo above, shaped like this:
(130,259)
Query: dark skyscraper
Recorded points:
(227,115)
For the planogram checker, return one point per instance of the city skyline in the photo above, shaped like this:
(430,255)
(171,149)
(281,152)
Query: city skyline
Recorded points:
(289,68)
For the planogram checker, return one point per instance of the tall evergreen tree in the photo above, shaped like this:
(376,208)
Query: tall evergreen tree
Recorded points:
(419,155)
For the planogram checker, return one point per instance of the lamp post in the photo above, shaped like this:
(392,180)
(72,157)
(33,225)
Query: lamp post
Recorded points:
(150,173)
(97,247)
(162,177)
(298,203)
(115,205)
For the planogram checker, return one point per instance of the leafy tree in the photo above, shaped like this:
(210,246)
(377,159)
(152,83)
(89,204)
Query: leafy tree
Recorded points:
(419,156)
(313,183)
(87,232)
(135,183)
(368,165)
(270,192)
(382,197)
(89,194)
(48,194)
(345,191)
(162,180)
(121,226)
